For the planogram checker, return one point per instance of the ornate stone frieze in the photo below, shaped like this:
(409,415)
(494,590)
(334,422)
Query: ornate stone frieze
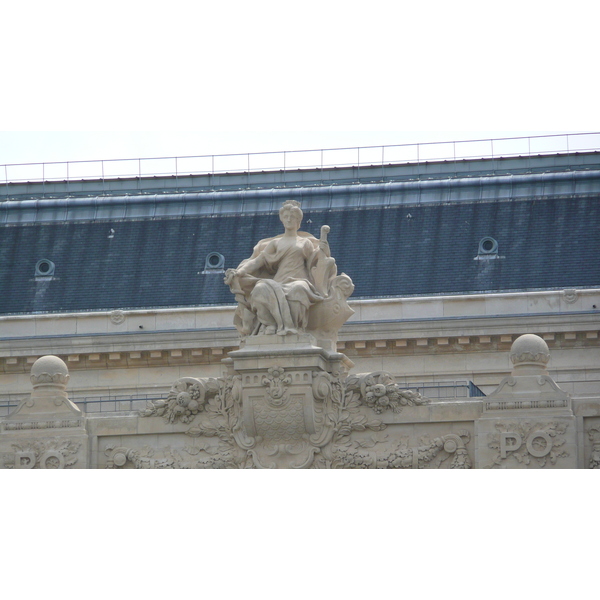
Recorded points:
(188,457)
(430,455)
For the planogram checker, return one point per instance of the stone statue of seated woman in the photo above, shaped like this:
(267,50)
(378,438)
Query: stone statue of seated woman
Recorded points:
(290,284)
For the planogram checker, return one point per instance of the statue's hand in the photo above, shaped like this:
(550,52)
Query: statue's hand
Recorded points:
(230,274)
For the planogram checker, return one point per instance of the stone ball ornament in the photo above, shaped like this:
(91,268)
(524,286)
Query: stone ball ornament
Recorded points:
(49,370)
(530,351)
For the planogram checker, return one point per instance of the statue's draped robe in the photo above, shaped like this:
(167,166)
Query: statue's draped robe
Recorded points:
(276,275)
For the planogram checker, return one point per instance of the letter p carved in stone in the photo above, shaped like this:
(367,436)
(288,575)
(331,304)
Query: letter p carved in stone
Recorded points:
(25,460)
(504,447)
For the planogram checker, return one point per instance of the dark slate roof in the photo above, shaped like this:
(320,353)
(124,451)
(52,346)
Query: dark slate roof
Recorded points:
(404,250)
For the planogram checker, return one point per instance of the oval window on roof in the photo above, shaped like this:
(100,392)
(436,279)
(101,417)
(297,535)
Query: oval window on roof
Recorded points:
(44,268)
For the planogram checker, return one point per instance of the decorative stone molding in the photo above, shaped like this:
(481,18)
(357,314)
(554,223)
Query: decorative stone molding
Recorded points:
(33,425)
(570,296)
(529,404)
(208,355)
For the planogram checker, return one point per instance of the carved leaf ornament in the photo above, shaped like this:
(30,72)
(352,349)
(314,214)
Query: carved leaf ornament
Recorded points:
(380,392)
(187,397)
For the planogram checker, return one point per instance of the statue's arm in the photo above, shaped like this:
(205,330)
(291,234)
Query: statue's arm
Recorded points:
(252,265)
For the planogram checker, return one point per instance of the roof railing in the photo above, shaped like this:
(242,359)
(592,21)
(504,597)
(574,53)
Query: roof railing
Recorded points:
(128,403)
(293,160)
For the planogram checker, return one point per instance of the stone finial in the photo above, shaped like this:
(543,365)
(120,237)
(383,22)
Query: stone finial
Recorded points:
(49,372)
(49,376)
(529,355)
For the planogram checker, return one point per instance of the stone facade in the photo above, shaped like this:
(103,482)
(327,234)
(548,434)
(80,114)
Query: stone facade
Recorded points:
(287,403)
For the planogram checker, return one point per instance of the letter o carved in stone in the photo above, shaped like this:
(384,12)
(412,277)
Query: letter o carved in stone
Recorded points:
(539,453)
(52,460)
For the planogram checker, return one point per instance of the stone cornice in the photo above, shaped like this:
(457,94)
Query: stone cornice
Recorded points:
(358,340)
(398,326)
(429,309)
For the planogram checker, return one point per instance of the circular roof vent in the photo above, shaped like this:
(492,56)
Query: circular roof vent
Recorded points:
(44,268)
(214,262)
(488,245)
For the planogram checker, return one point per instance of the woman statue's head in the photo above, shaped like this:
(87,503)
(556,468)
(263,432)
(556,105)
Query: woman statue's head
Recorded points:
(291,211)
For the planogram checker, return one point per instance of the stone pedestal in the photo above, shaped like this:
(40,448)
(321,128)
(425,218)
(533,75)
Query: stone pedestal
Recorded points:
(47,431)
(284,381)
(528,421)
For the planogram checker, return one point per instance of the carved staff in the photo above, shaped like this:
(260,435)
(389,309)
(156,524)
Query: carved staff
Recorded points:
(321,271)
